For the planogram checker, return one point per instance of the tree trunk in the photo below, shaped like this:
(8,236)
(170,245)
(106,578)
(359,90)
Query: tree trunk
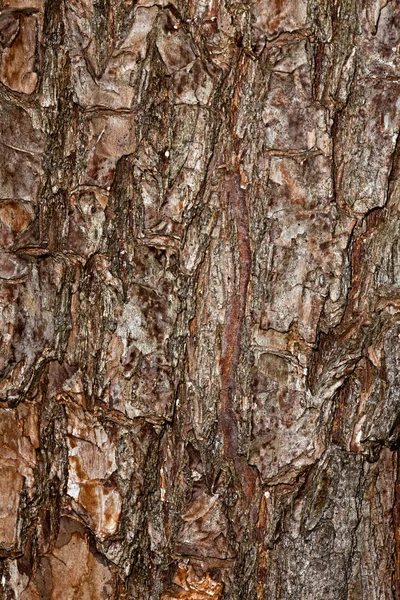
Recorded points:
(200,299)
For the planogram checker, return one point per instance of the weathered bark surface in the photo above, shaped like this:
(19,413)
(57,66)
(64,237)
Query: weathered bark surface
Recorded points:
(200,299)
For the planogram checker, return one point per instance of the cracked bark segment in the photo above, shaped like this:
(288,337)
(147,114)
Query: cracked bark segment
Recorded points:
(86,220)
(172,44)
(112,86)
(203,527)
(276,17)
(19,439)
(372,315)
(336,28)
(139,371)
(92,462)
(22,143)
(321,521)
(17,70)
(187,584)
(293,121)
(374,548)
(284,430)
(71,568)
(301,181)
(363,170)
(37,5)
(109,136)
(384,424)
(15,218)
(29,337)
(300,288)
(379,44)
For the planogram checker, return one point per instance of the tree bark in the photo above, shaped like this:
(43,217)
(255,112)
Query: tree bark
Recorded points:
(200,299)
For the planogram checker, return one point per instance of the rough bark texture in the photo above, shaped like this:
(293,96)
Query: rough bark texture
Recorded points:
(200,299)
